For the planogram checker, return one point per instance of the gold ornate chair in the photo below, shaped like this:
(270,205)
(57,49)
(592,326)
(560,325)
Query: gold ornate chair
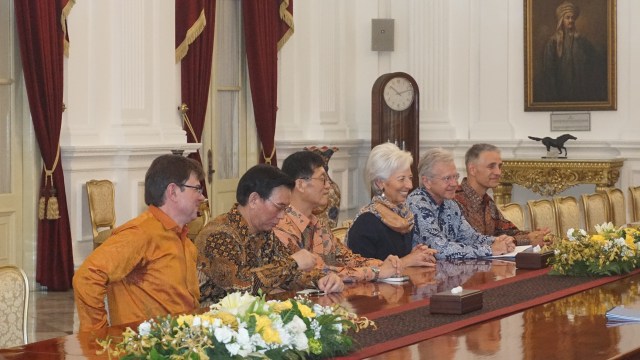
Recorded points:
(617,208)
(340,233)
(567,214)
(102,209)
(596,210)
(634,196)
(195,226)
(14,297)
(514,213)
(543,215)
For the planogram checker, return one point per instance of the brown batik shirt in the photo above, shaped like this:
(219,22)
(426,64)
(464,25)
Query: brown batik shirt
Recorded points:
(483,215)
(231,259)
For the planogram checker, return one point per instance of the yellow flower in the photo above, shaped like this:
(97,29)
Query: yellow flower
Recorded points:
(227,319)
(281,306)
(598,238)
(263,326)
(185,319)
(306,311)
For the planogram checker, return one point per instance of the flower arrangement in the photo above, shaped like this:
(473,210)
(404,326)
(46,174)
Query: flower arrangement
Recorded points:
(609,251)
(243,326)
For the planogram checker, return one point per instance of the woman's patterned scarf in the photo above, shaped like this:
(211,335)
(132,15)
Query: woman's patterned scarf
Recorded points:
(397,217)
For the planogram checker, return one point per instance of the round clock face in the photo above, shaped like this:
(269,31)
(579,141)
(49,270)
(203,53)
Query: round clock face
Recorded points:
(398,93)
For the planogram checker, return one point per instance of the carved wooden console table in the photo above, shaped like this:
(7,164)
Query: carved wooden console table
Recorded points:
(549,177)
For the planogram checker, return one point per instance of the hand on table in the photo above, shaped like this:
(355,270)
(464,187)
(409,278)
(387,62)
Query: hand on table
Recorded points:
(421,255)
(503,244)
(330,283)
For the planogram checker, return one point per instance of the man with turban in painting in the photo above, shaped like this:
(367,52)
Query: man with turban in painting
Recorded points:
(573,70)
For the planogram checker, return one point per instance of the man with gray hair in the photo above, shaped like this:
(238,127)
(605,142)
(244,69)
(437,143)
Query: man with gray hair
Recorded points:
(439,220)
(484,169)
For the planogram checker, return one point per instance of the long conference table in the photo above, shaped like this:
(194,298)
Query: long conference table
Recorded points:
(523,317)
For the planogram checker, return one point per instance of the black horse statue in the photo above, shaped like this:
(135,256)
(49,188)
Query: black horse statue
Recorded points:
(557,143)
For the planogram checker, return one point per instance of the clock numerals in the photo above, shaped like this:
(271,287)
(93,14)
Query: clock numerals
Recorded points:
(398,94)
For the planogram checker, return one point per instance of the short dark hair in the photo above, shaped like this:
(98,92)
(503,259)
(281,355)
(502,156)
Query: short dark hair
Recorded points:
(302,164)
(165,170)
(261,179)
(474,152)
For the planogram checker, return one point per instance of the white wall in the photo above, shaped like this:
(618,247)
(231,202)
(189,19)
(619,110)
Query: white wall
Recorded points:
(466,55)
(468,59)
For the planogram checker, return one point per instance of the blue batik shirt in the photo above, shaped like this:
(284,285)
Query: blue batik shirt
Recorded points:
(444,228)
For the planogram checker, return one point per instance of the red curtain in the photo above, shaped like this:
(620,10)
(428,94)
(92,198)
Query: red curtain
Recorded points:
(41,33)
(267,24)
(194,47)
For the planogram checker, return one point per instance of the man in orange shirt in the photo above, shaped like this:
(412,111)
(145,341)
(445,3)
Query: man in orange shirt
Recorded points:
(147,267)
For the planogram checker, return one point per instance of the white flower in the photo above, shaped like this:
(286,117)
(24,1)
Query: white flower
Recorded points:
(338,326)
(223,334)
(604,227)
(144,328)
(315,326)
(296,325)
(570,234)
(243,337)
(583,232)
(301,342)
(196,321)
(233,348)
(235,303)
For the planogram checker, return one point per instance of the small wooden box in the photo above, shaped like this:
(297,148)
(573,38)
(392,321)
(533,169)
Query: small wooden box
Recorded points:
(447,303)
(531,260)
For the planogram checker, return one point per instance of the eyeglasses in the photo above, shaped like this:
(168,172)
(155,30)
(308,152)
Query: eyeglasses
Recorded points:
(197,188)
(323,178)
(448,178)
(280,207)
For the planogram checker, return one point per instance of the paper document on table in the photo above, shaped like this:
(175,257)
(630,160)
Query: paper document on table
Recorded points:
(512,254)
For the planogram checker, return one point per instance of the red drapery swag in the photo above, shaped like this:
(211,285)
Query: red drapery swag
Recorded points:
(42,32)
(267,26)
(194,47)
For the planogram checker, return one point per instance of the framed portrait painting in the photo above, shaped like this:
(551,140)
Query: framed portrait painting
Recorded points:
(570,55)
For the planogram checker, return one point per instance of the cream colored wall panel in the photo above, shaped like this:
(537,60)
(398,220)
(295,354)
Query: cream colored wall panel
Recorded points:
(8,238)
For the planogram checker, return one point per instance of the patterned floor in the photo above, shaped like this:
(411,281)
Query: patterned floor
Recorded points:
(51,314)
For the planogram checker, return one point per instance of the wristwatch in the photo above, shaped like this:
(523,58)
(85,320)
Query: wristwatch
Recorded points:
(376,272)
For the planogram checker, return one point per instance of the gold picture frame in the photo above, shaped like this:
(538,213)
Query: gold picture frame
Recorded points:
(570,55)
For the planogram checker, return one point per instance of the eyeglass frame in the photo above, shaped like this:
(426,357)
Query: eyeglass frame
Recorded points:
(446,179)
(279,207)
(323,178)
(197,188)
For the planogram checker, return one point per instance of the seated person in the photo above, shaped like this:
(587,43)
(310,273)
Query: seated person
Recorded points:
(484,168)
(300,229)
(147,267)
(439,221)
(239,252)
(384,226)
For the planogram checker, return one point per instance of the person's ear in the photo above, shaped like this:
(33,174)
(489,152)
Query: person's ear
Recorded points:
(171,192)
(379,184)
(471,169)
(300,185)
(425,182)
(254,197)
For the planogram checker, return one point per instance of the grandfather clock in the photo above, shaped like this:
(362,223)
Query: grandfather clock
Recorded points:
(395,114)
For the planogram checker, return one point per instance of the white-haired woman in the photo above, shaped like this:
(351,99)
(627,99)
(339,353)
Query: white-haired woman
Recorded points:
(384,226)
